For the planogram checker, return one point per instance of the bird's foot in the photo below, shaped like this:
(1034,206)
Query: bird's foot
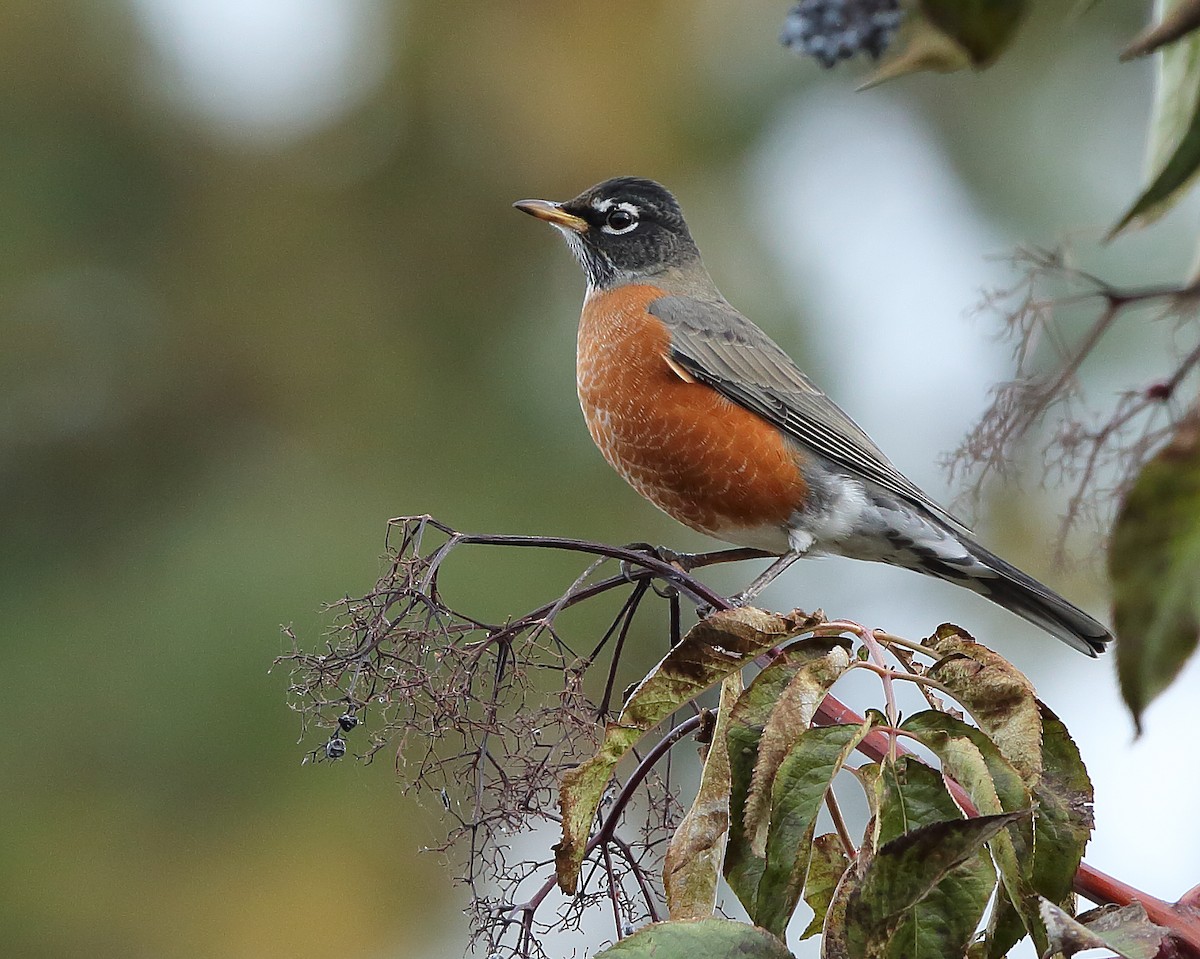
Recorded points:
(682,561)
(664,553)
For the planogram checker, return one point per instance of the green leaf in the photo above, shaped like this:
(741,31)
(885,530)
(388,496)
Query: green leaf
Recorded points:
(1174,141)
(910,795)
(689,938)
(711,650)
(746,723)
(1062,825)
(943,923)
(995,693)
(1154,565)
(694,858)
(1062,821)
(1126,931)
(905,872)
(826,865)
(981,27)
(804,777)
(791,716)
(972,760)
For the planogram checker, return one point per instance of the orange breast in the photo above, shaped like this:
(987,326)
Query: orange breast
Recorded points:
(702,459)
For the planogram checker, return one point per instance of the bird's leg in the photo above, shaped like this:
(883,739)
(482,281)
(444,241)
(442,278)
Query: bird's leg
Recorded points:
(766,577)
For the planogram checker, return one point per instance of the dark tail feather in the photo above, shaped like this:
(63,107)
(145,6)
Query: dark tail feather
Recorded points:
(1007,586)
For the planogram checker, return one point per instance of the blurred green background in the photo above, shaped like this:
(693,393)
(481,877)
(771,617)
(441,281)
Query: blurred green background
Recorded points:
(262,289)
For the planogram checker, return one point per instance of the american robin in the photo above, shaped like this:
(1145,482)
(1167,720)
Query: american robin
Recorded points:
(706,417)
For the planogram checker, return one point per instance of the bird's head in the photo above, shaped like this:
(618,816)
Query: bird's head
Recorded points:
(620,230)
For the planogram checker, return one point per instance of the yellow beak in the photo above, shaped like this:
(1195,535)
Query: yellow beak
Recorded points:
(552,213)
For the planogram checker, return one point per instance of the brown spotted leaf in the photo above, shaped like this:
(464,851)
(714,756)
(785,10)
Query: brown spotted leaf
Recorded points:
(972,760)
(1063,818)
(912,795)
(825,867)
(1062,824)
(999,698)
(906,871)
(1126,931)
(835,938)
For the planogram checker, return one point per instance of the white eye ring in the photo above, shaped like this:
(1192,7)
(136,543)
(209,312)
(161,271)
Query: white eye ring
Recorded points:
(621,218)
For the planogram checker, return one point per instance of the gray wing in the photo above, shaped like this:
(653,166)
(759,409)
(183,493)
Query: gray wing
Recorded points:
(719,347)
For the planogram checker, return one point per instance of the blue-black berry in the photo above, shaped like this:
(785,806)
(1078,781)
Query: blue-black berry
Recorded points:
(347,721)
(335,748)
(833,30)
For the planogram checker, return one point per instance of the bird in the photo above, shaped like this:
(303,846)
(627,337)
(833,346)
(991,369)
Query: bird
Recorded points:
(705,416)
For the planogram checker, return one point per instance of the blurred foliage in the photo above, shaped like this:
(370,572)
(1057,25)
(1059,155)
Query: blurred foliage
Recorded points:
(228,360)
(1153,562)
(1174,150)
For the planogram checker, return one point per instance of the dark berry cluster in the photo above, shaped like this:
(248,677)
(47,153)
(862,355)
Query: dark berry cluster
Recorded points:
(833,30)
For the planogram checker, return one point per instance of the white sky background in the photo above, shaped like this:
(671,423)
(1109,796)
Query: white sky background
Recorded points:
(887,288)
(267,70)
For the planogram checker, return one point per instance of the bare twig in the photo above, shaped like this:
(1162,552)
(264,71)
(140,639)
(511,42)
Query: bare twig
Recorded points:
(1113,447)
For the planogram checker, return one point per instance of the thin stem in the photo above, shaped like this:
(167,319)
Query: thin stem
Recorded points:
(890,639)
(624,620)
(907,677)
(613,895)
(839,823)
(609,826)
(635,557)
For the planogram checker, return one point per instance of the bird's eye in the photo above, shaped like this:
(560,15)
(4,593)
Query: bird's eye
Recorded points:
(620,220)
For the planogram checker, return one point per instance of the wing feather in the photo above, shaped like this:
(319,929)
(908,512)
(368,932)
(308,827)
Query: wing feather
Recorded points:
(719,347)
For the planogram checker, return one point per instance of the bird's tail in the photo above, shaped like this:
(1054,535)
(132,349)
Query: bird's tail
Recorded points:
(1004,584)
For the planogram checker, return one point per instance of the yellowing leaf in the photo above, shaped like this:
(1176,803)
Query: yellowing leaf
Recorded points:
(694,858)
(995,693)
(791,715)
(711,650)
(1173,157)
(746,724)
